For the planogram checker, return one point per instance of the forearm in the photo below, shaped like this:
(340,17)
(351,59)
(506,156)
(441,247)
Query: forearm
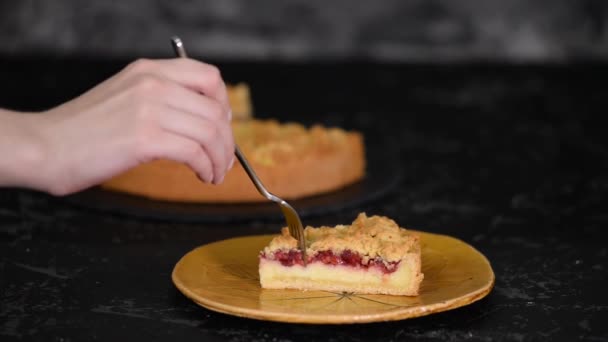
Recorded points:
(21,151)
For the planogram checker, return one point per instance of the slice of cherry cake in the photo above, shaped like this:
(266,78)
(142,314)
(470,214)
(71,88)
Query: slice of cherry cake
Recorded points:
(373,255)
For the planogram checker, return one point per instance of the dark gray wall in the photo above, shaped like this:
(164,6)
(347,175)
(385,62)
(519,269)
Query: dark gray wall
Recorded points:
(387,30)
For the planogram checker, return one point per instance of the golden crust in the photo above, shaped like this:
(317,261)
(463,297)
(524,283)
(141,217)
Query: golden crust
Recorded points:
(291,160)
(371,237)
(240,101)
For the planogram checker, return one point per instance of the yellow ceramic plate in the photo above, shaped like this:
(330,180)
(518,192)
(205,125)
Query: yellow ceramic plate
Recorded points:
(223,276)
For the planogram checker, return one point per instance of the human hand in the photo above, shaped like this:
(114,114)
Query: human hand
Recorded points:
(173,109)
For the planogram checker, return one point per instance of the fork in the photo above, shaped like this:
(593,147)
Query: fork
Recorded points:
(291,216)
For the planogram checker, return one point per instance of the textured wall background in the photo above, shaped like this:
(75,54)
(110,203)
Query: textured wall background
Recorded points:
(387,30)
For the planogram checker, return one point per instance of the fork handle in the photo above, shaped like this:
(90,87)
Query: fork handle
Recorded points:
(254,178)
(178,47)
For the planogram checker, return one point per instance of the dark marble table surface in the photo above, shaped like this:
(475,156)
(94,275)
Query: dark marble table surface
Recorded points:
(510,159)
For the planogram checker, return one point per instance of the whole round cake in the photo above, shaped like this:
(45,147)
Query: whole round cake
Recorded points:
(292,161)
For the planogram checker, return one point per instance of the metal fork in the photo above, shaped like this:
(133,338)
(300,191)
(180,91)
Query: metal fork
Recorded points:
(291,216)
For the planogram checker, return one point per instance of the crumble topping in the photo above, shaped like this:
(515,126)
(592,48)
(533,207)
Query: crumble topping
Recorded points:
(269,142)
(372,237)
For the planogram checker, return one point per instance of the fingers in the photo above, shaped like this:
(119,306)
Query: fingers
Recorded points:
(200,77)
(209,135)
(205,107)
(181,149)
(194,106)
(197,117)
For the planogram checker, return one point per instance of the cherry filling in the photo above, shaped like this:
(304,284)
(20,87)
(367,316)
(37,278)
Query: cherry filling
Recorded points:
(347,257)
(290,258)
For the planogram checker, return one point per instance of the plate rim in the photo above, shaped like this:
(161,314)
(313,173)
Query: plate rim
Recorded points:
(404,313)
